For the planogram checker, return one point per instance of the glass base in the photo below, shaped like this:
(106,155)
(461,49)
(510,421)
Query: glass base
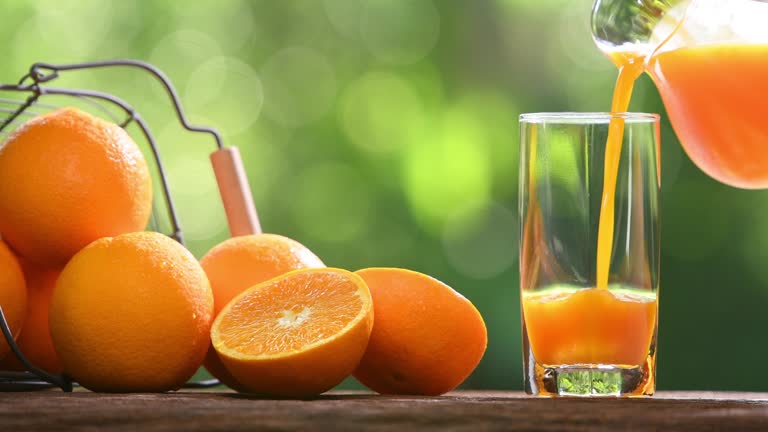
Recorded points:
(591,380)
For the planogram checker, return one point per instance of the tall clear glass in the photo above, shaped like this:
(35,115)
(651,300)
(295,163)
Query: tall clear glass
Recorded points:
(580,340)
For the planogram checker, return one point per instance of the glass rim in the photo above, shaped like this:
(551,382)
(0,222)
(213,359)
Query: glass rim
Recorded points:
(574,117)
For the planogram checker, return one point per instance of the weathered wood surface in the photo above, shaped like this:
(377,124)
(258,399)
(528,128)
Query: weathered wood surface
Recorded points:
(463,411)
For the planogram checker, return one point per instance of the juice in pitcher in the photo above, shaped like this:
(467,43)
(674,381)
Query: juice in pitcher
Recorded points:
(709,61)
(715,96)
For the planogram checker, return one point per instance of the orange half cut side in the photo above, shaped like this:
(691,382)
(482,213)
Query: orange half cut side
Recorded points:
(296,335)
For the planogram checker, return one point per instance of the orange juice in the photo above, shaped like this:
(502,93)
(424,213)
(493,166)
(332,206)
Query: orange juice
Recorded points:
(590,326)
(715,98)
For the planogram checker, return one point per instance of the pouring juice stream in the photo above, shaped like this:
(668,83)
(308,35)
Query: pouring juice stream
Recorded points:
(630,69)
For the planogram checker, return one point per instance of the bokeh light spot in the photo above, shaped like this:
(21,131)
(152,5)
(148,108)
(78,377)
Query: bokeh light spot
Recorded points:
(228,91)
(695,238)
(400,32)
(264,161)
(497,121)
(481,242)
(76,28)
(181,52)
(192,183)
(331,202)
(446,169)
(381,112)
(344,15)
(575,37)
(672,156)
(299,86)
(754,247)
(24,46)
(230,22)
(558,158)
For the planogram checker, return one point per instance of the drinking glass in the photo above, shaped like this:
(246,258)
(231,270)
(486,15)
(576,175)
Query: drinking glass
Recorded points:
(579,339)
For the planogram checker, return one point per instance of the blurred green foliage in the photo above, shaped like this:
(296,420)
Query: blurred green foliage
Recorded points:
(384,133)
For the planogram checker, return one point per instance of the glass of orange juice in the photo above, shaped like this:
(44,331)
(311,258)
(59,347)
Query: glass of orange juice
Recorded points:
(583,337)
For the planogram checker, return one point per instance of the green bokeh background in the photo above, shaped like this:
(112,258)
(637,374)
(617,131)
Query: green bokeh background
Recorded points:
(384,133)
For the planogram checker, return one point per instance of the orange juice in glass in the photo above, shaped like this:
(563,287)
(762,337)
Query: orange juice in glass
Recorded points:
(583,337)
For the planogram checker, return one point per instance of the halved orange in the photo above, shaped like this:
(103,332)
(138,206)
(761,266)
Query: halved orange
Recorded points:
(241,262)
(296,335)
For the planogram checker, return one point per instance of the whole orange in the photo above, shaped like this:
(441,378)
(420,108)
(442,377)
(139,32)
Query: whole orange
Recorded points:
(239,263)
(132,313)
(426,339)
(68,178)
(13,295)
(35,341)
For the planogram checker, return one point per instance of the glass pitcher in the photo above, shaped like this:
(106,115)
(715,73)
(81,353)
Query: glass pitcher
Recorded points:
(709,60)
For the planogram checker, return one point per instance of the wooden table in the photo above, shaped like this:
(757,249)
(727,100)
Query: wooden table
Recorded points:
(463,411)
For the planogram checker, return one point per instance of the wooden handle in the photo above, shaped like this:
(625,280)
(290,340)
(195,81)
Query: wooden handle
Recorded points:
(235,192)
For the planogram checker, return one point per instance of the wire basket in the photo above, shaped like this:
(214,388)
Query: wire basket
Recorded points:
(29,98)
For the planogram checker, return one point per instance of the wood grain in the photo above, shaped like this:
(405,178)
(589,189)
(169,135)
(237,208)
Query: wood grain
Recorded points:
(461,411)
